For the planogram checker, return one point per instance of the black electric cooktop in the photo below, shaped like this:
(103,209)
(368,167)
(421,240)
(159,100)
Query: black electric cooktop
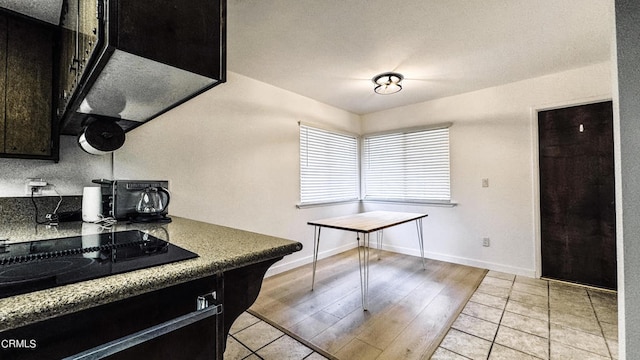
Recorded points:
(36,265)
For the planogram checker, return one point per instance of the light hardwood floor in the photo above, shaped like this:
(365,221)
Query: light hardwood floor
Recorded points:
(410,308)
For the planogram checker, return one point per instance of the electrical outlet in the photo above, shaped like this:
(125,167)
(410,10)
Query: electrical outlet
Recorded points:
(485,182)
(486,242)
(34,186)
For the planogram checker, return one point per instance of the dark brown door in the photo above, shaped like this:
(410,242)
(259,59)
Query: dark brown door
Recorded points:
(577,199)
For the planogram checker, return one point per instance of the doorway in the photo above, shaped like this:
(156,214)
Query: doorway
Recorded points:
(577,194)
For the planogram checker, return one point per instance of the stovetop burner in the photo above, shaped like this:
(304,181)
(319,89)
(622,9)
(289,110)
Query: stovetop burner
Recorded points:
(37,265)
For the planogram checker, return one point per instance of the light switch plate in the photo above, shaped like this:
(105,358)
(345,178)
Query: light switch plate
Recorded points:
(485,182)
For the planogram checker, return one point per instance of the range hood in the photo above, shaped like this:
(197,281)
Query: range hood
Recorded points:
(142,59)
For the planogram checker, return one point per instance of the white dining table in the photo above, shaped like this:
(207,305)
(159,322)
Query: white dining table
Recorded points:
(363,224)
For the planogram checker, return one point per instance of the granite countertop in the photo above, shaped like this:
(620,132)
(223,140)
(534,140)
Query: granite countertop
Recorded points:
(219,248)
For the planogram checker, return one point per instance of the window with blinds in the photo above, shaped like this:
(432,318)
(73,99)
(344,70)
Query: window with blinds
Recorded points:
(328,166)
(407,166)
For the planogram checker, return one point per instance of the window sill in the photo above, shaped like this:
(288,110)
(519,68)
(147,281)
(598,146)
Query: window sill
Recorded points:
(437,203)
(328,203)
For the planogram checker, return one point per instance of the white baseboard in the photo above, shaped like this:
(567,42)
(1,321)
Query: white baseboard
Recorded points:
(464,261)
(284,265)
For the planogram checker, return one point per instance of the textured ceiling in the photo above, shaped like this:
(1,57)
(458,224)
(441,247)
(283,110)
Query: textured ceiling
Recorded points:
(329,50)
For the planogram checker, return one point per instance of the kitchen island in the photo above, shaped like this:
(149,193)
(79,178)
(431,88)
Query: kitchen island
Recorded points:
(231,261)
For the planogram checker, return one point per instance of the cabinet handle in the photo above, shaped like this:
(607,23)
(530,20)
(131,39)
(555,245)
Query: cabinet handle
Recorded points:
(145,335)
(74,62)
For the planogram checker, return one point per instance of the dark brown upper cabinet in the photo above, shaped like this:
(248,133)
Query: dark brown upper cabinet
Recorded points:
(27,126)
(79,24)
(129,61)
(3,77)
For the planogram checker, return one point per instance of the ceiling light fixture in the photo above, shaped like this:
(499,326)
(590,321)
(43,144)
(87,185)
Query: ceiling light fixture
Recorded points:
(387,83)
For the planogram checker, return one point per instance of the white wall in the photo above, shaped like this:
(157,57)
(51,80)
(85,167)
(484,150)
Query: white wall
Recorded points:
(232,158)
(627,139)
(492,136)
(75,170)
(231,155)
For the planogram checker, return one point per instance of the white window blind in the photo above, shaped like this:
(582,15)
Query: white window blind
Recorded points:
(328,166)
(408,166)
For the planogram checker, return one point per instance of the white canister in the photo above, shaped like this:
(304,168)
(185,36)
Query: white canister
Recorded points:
(91,203)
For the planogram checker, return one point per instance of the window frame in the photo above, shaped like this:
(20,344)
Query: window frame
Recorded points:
(357,161)
(407,200)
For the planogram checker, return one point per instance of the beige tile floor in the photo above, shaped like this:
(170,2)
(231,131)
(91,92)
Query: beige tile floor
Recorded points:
(251,338)
(513,317)
(508,317)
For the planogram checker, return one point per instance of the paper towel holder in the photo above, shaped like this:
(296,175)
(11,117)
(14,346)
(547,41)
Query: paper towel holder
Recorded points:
(101,136)
(91,203)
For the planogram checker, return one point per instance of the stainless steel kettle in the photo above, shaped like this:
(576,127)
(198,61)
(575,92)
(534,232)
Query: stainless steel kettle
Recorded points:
(153,200)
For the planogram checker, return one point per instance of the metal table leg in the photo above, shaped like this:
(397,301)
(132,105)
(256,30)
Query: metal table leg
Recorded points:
(420,240)
(363,261)
(379,236)
(316,245)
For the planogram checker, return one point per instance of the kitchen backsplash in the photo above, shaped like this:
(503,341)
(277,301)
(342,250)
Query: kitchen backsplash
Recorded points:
(21,209)
(75,170)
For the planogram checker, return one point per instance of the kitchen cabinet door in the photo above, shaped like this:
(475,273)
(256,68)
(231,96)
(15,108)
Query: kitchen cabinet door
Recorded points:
(68,57)
(67,335)
(3,77)
(78,39)
(87,32)
(28,107)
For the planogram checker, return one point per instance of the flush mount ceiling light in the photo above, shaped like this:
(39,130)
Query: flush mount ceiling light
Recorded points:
(387,83)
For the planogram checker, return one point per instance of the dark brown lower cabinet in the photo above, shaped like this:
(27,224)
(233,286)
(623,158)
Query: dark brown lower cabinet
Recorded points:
(75,333)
